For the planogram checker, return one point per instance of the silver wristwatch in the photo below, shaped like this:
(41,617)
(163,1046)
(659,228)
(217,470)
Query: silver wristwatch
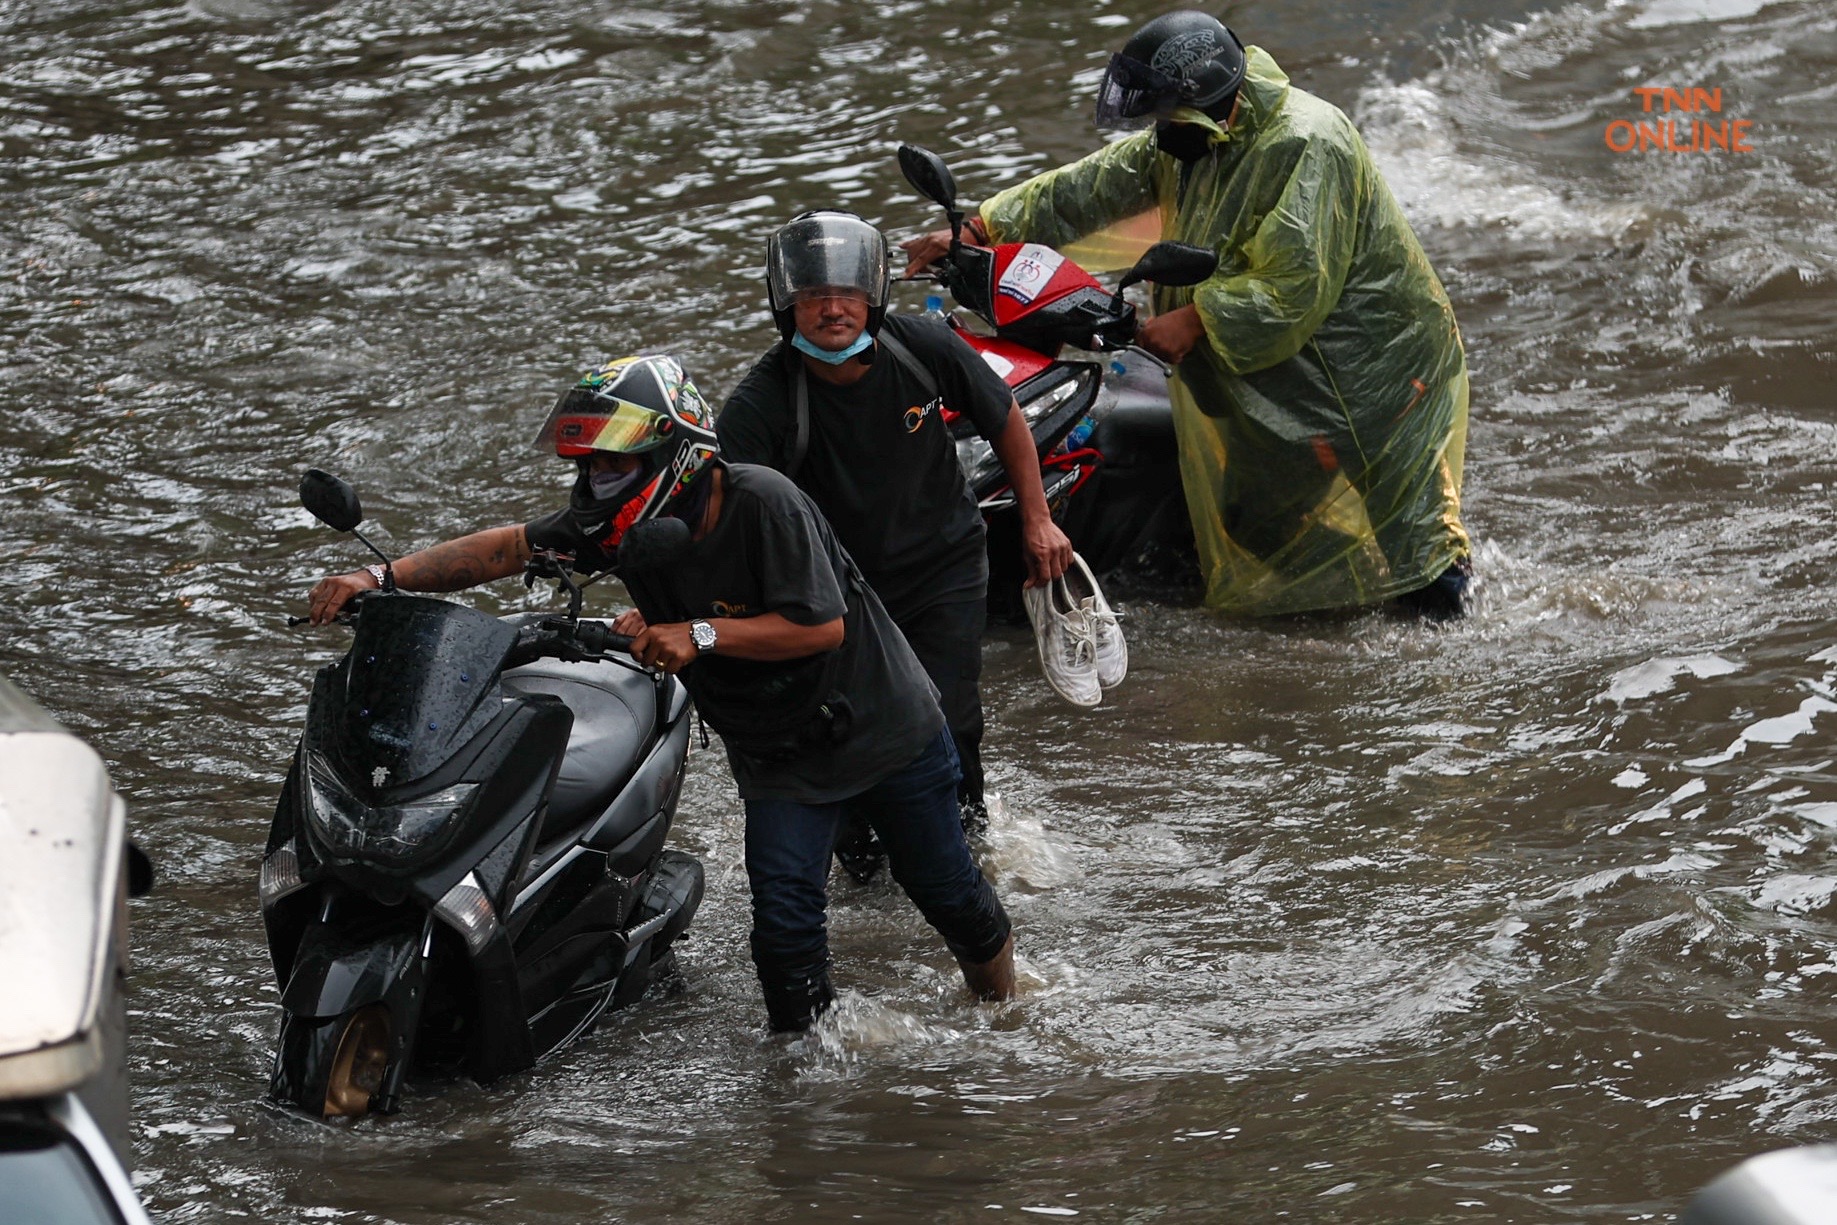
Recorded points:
(377,572)
(702,635)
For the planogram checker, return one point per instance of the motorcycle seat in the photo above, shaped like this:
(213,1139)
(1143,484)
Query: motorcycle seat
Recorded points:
(614,709)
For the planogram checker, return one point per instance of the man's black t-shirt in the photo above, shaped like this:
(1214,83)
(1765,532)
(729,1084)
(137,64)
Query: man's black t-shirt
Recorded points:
(881,463)
(772,551)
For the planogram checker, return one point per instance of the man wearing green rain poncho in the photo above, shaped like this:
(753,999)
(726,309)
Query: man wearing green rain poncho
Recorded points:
(1320,394)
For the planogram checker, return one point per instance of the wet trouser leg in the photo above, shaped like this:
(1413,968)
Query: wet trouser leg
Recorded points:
(915,813)
(947,638)
(788,845)
(1445,599)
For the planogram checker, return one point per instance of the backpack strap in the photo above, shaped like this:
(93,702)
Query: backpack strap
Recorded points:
(800,394)
(800,409)
(907,358)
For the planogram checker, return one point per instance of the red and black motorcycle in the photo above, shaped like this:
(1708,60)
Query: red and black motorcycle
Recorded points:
(1102,424)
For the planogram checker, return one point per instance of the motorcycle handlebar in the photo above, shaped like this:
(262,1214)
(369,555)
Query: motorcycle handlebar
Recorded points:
(560,638)
(342,618)
(596,637)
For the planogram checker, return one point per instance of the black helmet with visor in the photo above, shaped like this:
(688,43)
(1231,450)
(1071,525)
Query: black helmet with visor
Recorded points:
(1179,59)
(823,253)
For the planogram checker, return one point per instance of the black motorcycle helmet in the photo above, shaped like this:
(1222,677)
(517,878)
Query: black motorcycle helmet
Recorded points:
(644,406)
(1186,58)
(826,249)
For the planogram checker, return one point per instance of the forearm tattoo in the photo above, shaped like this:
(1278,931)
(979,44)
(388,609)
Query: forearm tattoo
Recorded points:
(457,564)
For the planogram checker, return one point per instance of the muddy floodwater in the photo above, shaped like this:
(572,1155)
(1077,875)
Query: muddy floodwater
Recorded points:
(1529,919)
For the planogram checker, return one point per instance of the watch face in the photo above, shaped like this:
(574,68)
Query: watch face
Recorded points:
(702,634)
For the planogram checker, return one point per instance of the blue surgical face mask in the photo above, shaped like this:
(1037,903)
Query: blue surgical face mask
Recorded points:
(863,341)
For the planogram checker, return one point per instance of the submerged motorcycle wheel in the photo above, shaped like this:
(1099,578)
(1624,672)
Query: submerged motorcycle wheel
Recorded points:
(358,1066)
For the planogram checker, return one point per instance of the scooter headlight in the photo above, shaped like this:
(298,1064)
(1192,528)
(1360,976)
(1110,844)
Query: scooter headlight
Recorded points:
(345,826)
(979,462)
(1042,406)
(280,874)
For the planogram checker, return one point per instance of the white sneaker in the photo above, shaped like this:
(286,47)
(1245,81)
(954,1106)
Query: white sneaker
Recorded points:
(1106,632)
(1068,653)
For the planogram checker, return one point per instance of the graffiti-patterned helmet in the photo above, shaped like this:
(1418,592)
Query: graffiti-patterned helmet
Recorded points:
(644,406)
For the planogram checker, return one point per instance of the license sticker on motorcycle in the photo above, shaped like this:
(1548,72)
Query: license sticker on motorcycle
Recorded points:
(1027,274)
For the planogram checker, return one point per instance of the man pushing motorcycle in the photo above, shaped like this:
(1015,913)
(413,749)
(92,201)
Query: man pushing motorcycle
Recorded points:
(847,405)
(825,712)
(1320,396)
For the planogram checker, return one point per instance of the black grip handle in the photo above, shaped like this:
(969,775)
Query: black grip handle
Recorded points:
(343,618)
(596,637)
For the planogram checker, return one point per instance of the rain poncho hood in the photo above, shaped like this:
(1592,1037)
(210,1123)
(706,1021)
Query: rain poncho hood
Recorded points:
(1322,420)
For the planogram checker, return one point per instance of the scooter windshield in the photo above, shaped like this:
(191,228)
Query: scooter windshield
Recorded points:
(416,686)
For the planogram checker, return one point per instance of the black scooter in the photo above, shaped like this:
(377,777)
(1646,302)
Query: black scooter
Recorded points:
(466,865)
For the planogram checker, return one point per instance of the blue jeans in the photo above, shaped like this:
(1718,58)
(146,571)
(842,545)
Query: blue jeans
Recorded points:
(947,638)
(788,848)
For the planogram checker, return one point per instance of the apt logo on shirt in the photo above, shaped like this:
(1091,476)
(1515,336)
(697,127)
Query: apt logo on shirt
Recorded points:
(915,416)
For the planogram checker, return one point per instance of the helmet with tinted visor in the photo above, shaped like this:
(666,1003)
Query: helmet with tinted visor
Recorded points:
(827,253)
(645,407)
(1178,59)
(588,419)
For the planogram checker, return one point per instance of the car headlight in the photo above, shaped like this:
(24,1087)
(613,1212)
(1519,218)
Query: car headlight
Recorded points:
(346,826)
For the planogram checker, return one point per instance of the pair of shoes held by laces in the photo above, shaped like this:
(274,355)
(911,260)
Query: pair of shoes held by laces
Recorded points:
(1105,622)
(1081,644)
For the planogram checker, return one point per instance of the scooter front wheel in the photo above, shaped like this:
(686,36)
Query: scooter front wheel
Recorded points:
(333,1068)
(359,1064)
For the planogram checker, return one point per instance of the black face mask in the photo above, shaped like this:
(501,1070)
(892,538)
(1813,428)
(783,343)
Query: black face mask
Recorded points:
(593,514)
(1186,141)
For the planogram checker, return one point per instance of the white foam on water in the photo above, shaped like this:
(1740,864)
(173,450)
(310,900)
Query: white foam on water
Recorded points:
(1432,137)
(1440,179)
(1786,728)
(856,1025)
(1795,893)
(1682,12)
(1659,675)
(1017,849)
(1781,729)
(1662,809)
(1818,814)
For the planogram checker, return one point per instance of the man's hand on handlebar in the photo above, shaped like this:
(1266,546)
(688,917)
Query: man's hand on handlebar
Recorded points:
(630,623)
(333,593)
(1172,336)
(667,648)
(925,250)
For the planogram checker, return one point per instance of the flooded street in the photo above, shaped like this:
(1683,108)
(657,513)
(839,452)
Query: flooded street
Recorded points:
(1529,919)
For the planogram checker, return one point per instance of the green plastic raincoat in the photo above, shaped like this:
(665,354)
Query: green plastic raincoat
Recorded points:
(1323,419)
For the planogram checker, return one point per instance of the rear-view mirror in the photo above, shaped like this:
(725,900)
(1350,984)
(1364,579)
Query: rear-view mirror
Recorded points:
(927,173)
(330,500)
(1172,263)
